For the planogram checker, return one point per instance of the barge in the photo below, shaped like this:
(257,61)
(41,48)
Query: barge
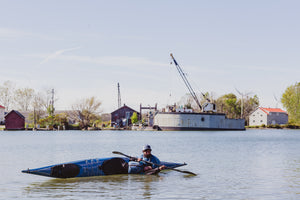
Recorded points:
(186,119)
(191,121)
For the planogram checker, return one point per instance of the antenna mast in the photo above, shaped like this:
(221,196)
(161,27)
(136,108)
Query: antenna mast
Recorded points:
(242,101)
(186,82)
(119,96)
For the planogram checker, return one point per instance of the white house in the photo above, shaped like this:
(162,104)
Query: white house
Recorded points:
(268,116)
(2,109)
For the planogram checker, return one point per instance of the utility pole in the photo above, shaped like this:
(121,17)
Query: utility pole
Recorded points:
(119,97)
(34,118)
(52,106)
(52,102)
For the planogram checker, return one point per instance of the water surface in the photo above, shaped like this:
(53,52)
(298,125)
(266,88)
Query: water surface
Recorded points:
(252,164)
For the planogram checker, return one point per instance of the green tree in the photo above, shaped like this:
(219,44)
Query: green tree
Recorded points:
(291,102)
(231,105)
(57,120)
(50,110)
(61,119)
(228,104)
(134,118)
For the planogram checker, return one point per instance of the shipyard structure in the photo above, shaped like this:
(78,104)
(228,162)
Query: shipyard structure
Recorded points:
(171,121)
(185,119)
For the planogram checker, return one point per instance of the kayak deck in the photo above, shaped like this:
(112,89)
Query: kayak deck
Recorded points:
(90,167)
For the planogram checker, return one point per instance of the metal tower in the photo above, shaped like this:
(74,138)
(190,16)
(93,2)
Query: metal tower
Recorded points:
(119,97)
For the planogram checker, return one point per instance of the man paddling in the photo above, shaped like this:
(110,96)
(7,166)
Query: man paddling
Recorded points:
(143,167)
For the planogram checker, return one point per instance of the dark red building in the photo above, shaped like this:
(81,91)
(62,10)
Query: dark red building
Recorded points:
(14,121)
(121,117)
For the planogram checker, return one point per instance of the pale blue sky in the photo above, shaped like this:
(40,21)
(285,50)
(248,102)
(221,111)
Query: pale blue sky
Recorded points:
(84,48)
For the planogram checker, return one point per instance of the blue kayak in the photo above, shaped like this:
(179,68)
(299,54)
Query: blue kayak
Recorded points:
(90,167)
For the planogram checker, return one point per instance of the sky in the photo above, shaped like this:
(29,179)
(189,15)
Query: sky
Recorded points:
(84,48)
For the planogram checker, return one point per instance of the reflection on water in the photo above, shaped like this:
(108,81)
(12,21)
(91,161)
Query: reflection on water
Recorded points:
(101,186)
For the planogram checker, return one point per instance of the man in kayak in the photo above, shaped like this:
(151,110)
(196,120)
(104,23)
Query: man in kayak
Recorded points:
(142,167)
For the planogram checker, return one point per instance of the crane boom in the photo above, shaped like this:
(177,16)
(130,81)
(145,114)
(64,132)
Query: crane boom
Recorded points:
(186,82)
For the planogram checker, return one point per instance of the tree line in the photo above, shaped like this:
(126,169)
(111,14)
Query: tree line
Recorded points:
(41,107)
(235,107)
(87,111)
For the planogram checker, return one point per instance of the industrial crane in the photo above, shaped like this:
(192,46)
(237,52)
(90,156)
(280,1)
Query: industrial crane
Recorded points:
(207,107)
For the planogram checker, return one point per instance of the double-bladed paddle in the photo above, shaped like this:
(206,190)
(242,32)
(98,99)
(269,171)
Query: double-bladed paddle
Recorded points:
(134,158)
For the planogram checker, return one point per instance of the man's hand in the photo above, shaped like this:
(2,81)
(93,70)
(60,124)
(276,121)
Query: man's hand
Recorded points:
(133,159)
(162,167)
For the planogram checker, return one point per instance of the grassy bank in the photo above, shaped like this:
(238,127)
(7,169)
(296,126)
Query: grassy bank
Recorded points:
(276,126)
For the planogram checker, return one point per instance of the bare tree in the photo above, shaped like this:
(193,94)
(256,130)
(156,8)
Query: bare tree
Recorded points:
(6,94)
(23,98)
(189,102)
(86,111)
(38,106)
(46,97)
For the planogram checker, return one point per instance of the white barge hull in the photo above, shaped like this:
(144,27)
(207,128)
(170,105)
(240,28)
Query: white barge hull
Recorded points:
(196,121)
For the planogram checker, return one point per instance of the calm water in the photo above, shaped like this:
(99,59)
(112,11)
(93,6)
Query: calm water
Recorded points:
(252,164)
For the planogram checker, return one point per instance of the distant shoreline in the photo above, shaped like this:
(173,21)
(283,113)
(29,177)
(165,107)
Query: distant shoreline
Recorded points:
(2,128)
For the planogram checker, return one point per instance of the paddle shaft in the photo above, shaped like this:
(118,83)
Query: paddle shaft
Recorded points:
(151,163)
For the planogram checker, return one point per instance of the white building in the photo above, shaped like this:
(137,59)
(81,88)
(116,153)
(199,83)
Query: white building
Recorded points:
(2,109)
(268,116)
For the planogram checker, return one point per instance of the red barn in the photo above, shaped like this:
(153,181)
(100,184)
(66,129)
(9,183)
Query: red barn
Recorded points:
(14,121)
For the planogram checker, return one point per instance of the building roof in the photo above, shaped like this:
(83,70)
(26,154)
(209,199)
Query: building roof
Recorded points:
(124,107)
(2,106)
(15,111)
(273,110)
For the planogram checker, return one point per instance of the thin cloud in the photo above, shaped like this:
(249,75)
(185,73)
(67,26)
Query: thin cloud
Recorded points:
(12,34)
(57,53)
(118,61)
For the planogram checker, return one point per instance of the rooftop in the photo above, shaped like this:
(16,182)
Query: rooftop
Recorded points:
(268,110)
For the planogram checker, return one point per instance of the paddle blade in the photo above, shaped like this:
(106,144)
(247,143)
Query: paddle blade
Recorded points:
(117,152)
